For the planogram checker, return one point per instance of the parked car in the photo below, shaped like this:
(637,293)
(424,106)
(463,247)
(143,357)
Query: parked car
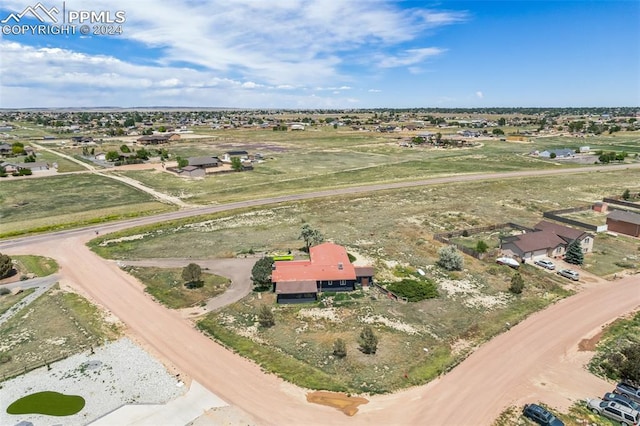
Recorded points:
(541,415)
(512,263)
(545,264)
(568,273)
(614,411)
(628,390)
(622,400)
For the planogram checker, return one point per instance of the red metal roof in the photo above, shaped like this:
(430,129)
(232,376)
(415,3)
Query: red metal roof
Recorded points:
(328,262)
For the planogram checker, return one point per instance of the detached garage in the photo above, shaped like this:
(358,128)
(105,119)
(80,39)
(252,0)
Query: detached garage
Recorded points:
(624,222)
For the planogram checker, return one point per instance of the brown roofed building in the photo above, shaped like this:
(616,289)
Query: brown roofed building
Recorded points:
(328,269)
(158,138)
(548,240)
(624,222)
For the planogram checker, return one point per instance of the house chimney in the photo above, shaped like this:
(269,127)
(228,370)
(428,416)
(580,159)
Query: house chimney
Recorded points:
(340,266)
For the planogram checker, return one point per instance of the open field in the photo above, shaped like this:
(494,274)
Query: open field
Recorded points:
(167,286)
(54,326)
(613,254)
(37,265)
(474,305)
(60,202)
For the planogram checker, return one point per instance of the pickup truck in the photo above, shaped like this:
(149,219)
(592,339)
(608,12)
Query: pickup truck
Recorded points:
(628,390)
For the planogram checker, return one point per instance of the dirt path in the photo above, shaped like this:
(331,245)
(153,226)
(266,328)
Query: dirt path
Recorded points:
(536,360)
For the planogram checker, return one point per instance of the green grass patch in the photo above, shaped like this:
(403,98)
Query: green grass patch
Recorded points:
(71,201)
(167,286)
(47,403)
(40,266)
(414,290)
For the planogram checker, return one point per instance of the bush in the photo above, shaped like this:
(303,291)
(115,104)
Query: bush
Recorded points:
(414,290)
(368,341)
(4,290)
(339,348)
(482,247)
(517,284)
(266,317)
(6,266)
(450,258)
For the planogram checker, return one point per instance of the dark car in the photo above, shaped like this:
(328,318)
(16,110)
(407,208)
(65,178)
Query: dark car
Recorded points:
(622,400)
(541,415)
(628,390)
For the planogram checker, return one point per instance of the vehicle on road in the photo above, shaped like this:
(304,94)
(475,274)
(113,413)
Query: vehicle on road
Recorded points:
(569,273)
(512,263)
(547,264)
(614,411)
(628,390)
(622,400)
(541,415)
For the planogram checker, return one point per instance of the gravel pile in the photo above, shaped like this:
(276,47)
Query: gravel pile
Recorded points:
(115,374)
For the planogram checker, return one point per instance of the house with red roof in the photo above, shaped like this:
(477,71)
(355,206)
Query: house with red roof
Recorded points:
(548,239)
(328,269)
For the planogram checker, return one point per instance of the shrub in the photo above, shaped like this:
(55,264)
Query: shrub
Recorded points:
(482,247)
(414,290)
(517,284)
(368,341)
(266,317)
(450,258)
(6,266)
(339,348)
(4,290)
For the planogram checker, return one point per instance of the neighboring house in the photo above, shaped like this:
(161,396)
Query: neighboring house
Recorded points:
(547,240)
(81,139)
(560,153)
(101,156)
(624,222)
(5,149)
(328,269)
(226,158)
(204,162)
(38,166)
(192,172)
(9,167)
(158,139)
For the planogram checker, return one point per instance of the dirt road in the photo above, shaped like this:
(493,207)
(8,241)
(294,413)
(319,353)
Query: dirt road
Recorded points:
(535,360)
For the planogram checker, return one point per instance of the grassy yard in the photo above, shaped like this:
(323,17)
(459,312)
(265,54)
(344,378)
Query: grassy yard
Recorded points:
(8,300)
(40,266)
(54,326)
(612,255)
(59,202)
(167,286)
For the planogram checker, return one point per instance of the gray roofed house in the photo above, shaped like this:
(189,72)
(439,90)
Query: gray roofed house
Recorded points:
(204,162)
(560,153)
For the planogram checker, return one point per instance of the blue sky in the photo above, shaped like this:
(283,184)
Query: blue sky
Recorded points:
(327,54)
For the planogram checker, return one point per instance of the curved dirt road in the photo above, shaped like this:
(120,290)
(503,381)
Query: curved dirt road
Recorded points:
(535,360)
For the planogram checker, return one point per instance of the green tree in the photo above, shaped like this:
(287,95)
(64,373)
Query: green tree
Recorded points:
(630,366)
(6,266)
(129,122)
(482,247)
(574,253)
(310,236)
(261,272)
(553,155)
(142,154)
(266,317)
(339,348)
(517,284)
(497,132)
(236,164)
(192,274)
(626,194)
(502,121)
(124,148)
(182,162)
(368,341)
(450,258)
(112,156)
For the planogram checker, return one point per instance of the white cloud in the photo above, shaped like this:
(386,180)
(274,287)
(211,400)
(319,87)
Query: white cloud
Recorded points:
(215,49)
(479,95)
(374,90)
